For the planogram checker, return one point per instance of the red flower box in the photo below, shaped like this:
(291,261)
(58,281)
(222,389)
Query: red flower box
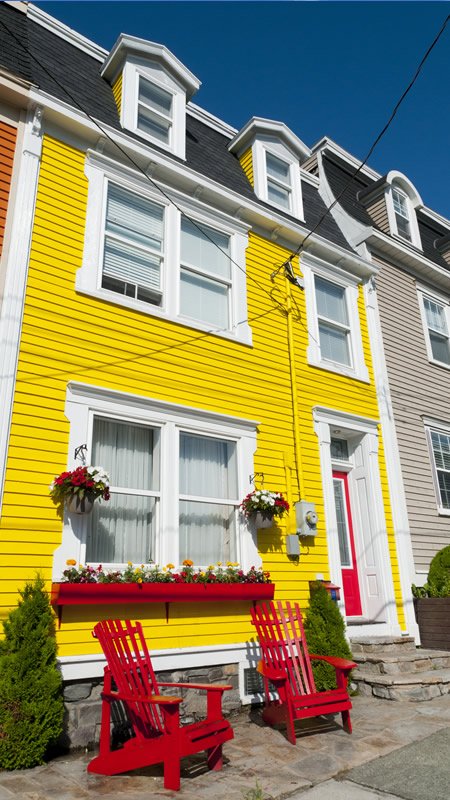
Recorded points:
(71,594)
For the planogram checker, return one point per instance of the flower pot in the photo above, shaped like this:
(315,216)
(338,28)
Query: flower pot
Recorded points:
(79,505)
(261,521)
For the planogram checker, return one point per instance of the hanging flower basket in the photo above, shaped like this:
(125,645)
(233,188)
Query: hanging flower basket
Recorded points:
(262,507)
(77,489)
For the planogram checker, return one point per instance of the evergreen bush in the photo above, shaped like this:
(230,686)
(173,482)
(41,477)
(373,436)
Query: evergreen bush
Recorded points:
(31,703)
(438,581)
(325,635)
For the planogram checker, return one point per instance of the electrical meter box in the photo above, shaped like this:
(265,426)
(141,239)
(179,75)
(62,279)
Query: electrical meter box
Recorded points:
(306,518)
(292,545)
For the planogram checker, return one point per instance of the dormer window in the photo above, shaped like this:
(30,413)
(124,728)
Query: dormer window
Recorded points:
(151,89)
(279,183)
(400,202)
(154,111)
(271,155)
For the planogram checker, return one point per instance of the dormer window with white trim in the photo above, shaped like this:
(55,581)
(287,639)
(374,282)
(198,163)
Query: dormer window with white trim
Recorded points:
(400,202)
(154,111)
(276,155)
(155,89)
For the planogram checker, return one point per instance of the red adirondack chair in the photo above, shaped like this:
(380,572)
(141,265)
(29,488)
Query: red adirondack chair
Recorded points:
(286,663)
(155,718)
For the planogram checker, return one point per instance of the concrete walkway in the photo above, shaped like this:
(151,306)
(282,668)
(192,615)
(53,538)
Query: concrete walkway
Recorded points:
(397,750)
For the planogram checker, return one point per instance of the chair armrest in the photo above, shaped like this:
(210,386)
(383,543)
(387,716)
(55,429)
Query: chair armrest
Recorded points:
(271,673)
(335,661)
(154,699)
(209,687)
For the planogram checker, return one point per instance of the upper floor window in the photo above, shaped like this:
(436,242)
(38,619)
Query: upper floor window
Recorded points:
(400,202)
(133,245)
(436,315)
(334,330)
(332,315)
(143,253)
(154,111)
(440,450)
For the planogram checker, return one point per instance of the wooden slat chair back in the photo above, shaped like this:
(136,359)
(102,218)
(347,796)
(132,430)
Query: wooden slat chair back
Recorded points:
(286,664)
(154,718)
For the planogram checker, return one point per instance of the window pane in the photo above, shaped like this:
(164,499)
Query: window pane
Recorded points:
(333,344)
(400,203)
(403,228)
(331,301)
(279,195)
(121,530)
(155,97)
(339,449)
(155,126)
(126,452)
(207,467)
(444,488)
(131,265)
(134,218)
(435,315)
(440,347)
(339,499)
(200,248)
(203,299)
(441,449)
(277,168)
(207,532)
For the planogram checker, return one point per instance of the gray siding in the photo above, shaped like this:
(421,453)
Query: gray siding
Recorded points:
(419,389)
(379,214)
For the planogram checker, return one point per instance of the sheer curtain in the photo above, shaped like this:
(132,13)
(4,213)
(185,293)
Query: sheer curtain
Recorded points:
(123,529)
(207,470)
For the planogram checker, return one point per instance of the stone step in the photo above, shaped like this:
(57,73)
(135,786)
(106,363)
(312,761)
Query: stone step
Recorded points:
(410,686)
(398,661)
(381,644)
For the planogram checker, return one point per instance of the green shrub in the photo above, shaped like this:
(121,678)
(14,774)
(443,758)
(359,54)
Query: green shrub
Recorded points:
(438,582)
(31,704)
(325,635)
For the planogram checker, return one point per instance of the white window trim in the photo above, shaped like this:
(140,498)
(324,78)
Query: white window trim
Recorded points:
(415,240)
(277,150)
(357,369)
(84,401)
(439,427)
(98,170)
(129,110)
(441,300)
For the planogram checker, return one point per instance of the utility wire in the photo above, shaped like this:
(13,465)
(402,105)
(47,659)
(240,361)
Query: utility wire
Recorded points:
(380,135)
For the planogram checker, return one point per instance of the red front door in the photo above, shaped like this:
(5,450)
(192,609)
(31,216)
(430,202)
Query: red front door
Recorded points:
(350,582)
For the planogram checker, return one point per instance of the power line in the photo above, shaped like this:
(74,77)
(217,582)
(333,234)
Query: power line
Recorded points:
(380,135)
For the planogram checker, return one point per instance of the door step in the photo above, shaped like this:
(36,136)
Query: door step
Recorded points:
(393,668)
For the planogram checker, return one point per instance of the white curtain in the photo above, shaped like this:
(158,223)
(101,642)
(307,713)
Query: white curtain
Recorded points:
(123,528)
(207,529)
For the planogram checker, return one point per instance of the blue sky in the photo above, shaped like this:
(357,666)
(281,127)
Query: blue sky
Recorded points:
(323,68)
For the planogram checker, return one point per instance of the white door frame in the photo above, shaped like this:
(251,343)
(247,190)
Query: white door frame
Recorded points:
(325,420)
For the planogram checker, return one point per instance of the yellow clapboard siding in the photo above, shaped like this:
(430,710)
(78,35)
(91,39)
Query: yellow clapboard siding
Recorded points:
(246,162)
(210,372)
(117,91)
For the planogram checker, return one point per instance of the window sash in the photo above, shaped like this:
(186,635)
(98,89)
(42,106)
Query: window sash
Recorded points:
(205,274)
(440,444)
(154,110)
(436,319)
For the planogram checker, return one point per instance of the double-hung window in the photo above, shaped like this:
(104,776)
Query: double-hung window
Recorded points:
(133,245)
(124,528)
(205,275)
(436,318)
(208,499)
(401,211)
(154,111)
(333,322)
(279,182)
(440,449)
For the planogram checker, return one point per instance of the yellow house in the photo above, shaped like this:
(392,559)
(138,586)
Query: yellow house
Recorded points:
(165,328)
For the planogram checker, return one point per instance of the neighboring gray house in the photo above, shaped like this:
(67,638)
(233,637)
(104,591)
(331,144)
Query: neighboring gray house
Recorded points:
(384,219)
